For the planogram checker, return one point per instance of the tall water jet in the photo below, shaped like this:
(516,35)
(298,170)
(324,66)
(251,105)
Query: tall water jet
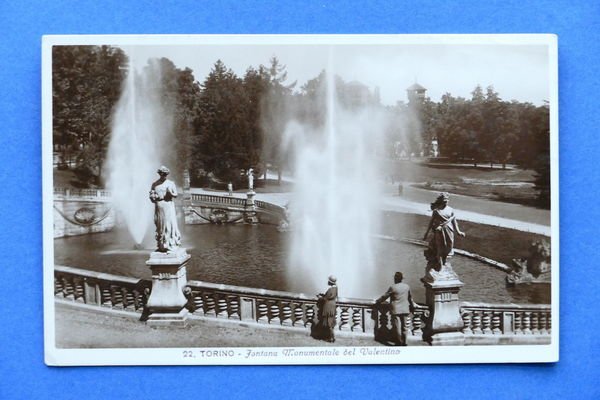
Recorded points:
(335,206)
(140,128)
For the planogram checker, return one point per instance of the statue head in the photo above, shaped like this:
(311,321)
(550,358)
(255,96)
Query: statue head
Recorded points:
(441,200)
(163,171)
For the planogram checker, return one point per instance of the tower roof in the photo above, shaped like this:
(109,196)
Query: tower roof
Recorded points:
(415,87)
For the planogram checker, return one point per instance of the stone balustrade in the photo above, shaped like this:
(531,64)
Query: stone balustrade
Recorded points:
(484,323)
(221,200)
(99,194)
(506,323)
(207,208)
(99,289)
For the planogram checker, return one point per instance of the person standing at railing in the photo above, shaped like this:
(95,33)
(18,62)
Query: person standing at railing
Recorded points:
(230,188)
(328,303)
(402,304)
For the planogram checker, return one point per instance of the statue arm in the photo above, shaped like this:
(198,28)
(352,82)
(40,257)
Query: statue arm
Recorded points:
(456,228)
(173,189)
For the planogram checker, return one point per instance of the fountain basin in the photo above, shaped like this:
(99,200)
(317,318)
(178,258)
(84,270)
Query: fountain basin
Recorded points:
(257,256)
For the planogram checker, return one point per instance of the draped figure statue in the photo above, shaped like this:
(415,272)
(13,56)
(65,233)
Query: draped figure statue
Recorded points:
(162,194)
(443,224)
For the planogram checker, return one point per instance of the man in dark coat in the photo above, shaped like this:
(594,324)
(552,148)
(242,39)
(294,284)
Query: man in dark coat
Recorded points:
(328,302)
(402,304)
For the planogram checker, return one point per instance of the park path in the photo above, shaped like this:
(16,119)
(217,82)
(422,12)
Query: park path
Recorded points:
(78,326)
(416,201)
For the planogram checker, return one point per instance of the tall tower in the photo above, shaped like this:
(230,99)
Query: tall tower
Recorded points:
(416,93)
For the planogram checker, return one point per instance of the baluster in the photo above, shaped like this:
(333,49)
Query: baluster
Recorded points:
(105,296)
(198,302)
(549,323)
(234,307)
(310,314)
(129,299)
(210,304)
(384,320)
(124,298)
(542,323)
(286,314)
(408,325)
(262,311)
(67,287)
(78,290)
(476,318)
(116,296)
(496,323)
(486,323)
(535,329)
(58,285)
(526,323)
(518,322)
(137,299)
(344,319)
(221,306)
(274,313)
(298,315)
(418,323)
(467,318)
(357,319)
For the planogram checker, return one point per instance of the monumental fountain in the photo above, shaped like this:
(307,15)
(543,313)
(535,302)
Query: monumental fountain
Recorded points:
(335,212)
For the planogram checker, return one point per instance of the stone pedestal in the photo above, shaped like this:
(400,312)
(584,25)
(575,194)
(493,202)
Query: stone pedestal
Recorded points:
(166,304)
(250,209)
(444,327)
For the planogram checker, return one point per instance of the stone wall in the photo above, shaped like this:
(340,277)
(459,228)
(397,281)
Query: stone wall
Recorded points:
(79,212)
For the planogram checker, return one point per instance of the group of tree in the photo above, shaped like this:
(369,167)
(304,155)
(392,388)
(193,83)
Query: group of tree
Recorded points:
(228,123)
(485,129)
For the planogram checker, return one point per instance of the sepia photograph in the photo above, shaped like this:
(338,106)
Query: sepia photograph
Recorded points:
(300,199)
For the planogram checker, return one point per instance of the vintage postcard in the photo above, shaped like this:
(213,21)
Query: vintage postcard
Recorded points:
(300,199)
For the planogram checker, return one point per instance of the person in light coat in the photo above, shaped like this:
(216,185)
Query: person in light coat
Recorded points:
(402,304)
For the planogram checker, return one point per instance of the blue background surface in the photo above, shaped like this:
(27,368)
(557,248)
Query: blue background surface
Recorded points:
(22,370)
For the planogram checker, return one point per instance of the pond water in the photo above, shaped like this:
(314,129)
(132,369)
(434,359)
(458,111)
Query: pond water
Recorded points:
(256,256)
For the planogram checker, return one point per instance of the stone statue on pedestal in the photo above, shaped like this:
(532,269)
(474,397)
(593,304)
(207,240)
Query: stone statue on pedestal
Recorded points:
(441,282)
(443,225)
(162,194)
(250,174)
(166,303)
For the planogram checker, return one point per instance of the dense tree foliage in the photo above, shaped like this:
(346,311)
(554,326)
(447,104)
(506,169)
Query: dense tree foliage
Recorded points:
(227,123)
(86,84)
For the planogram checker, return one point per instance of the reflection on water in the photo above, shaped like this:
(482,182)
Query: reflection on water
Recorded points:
(256,256)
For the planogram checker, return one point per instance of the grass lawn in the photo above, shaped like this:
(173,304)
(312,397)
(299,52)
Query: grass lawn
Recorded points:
(511,185)
(500,244)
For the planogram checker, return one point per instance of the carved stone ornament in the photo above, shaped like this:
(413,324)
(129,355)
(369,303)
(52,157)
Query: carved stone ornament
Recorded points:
(85,215)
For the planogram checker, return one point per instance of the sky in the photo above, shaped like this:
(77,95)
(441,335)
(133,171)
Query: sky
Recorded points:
(517,72)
